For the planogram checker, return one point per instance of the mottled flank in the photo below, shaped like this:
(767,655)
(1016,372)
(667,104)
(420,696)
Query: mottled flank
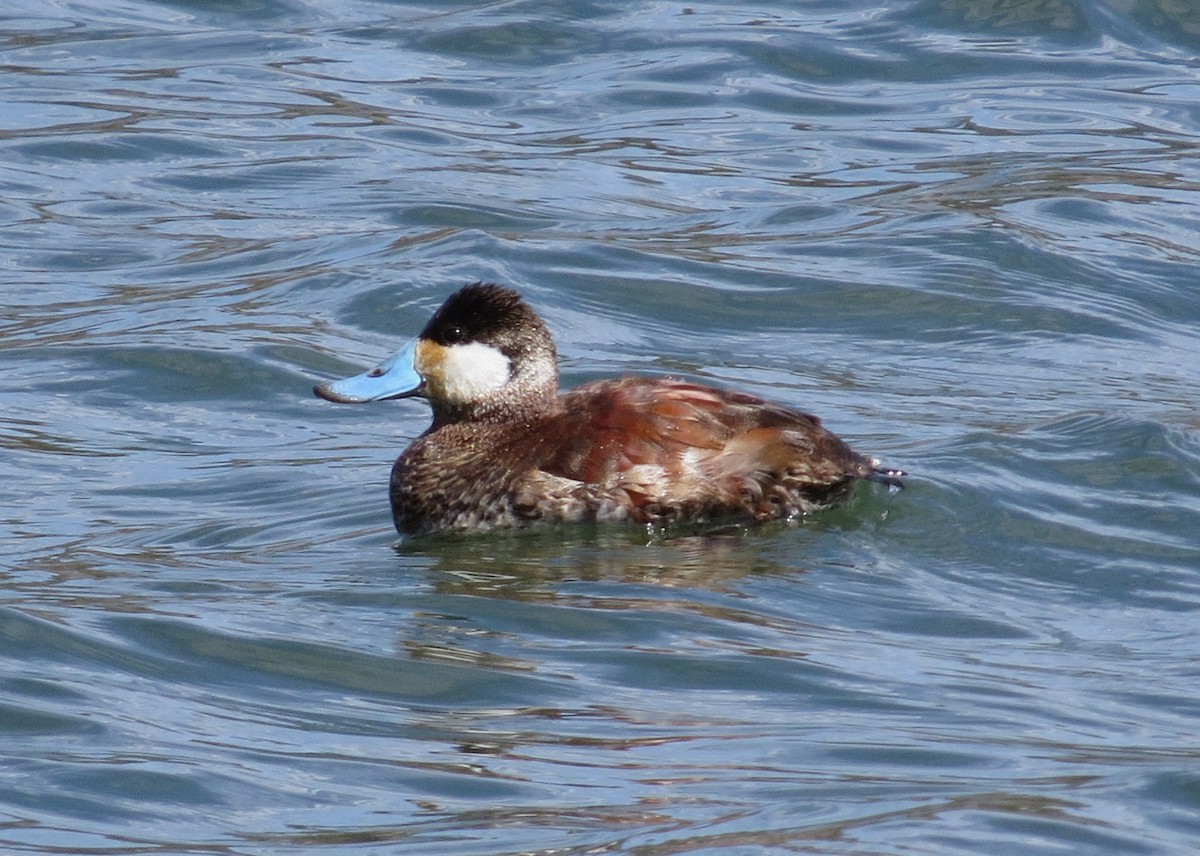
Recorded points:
(640,450)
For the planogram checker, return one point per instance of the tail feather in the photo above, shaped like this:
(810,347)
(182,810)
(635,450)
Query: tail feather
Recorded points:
(889,476)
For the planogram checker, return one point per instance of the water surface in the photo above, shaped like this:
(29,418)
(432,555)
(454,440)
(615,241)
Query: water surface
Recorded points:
(964,233)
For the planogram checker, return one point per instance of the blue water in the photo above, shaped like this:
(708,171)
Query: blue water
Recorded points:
(963,232)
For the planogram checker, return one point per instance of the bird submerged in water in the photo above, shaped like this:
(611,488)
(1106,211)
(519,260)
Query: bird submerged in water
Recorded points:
(506,450)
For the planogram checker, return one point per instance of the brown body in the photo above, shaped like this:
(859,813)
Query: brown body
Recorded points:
(637,449)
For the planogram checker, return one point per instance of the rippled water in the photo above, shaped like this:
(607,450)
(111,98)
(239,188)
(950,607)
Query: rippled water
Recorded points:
(964,232)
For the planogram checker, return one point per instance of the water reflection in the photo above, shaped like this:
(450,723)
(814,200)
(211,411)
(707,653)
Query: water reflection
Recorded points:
(530,560)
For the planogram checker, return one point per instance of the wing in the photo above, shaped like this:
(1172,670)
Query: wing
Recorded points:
(679,445)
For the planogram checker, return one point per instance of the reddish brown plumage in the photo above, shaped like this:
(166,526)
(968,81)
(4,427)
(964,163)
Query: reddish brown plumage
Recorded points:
(679,449)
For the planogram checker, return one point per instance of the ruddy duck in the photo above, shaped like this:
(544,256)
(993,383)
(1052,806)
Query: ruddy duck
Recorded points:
(506,450)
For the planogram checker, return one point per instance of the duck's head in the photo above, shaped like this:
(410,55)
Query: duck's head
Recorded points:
(483,355)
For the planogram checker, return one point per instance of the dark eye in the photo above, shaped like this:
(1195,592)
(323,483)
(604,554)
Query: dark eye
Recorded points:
(454,335)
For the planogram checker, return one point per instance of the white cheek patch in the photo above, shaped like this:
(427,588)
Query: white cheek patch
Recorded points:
(470,372)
